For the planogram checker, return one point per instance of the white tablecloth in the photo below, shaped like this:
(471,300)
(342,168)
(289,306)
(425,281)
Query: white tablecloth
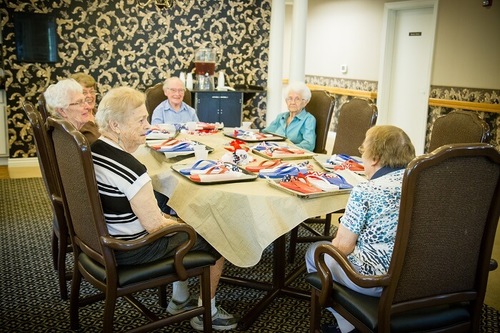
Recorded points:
(238,219)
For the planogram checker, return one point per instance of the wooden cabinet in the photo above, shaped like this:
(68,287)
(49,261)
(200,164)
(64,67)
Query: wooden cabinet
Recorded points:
(219,106)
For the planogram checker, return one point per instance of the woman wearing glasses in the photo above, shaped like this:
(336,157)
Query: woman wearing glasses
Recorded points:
(89,86)
(66,100)
(173,110)
(297,125)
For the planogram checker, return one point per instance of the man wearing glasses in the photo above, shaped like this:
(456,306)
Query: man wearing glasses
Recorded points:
(173,110)
(66,100)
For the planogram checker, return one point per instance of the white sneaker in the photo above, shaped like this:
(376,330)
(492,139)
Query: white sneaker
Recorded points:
(221,321)
(175,307)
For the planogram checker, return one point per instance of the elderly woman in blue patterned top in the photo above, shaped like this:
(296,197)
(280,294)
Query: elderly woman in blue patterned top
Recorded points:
(297,125)
(367,229)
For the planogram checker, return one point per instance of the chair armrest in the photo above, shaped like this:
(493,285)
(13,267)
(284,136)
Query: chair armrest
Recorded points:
(181,250)
(365,281)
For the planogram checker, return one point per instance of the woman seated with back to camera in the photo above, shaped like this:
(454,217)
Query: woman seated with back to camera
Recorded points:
(128,201)
(367,230)
(296,124)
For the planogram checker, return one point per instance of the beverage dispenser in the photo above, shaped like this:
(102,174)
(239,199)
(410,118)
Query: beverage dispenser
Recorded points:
(204,62)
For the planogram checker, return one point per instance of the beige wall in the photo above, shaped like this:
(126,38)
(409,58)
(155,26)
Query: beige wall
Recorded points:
(467,50)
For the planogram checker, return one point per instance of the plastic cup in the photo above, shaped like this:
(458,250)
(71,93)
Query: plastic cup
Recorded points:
(246,125)
(200,152)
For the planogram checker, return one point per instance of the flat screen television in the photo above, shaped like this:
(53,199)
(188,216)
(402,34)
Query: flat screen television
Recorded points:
(36,37)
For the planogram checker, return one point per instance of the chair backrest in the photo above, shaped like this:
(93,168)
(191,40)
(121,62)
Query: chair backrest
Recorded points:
(321,107)
(74,164)
(41,106)
(450,206)
(355,118)
(155,95)
(458,127)
(46,162)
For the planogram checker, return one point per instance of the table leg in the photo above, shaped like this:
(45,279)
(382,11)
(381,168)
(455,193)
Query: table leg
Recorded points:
(278,287)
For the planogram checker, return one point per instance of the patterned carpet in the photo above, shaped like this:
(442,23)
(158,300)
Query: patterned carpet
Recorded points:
(29,296)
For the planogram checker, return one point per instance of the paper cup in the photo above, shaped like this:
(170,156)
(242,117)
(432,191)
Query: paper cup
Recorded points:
(200,152)
(246,125)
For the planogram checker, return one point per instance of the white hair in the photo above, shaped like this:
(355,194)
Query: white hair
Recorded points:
(58,96)
(300,88)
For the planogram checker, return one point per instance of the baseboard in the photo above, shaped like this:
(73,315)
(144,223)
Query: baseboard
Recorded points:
(24,167)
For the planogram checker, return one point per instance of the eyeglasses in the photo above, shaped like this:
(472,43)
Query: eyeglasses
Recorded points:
(80,102)
(296,99)
(179,91)
(88,91)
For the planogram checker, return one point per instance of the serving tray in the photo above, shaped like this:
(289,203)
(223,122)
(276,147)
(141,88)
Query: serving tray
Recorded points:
(171,154)
(276,184)
(283,155)
(241,175)
(253,136)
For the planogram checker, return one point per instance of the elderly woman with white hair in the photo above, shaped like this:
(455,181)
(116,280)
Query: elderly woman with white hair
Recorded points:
(128,201)
(296,124)
(66,100)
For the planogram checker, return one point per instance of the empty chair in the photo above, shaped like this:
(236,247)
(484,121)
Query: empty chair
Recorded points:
(94,249)
(61,244)
(321,107)
(436,282)
(458,127)
(354,119)
(155,95)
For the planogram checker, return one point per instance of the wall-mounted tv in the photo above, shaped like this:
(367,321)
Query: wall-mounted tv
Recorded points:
(36,37)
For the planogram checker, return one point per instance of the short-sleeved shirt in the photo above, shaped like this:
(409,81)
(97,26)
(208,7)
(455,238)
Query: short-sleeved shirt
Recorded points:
(164,114)
(372,213)
(301,130)
(119,177)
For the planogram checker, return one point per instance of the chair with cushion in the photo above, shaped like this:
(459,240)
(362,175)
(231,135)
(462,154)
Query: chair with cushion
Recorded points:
(94,249)
(42,107)
(354,119)
(321,107)
(155,95)
(436,282)
(61,244)
(458,127)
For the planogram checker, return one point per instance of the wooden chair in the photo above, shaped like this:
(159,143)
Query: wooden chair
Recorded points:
(355,118)
(42,107)
(321,107)
(458,127)
(155,95)
(436,282)
(94,249)
(61,244)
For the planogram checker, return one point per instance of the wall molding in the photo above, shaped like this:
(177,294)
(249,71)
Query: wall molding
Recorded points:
(474,106)
(345,92)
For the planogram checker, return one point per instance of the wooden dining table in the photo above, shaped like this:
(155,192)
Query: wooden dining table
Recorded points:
(240,219)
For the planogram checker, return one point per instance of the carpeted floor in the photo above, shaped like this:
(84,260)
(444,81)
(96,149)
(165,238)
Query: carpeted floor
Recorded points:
(29,296)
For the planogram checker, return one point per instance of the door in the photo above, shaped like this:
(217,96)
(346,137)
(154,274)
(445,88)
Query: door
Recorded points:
(406,71)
